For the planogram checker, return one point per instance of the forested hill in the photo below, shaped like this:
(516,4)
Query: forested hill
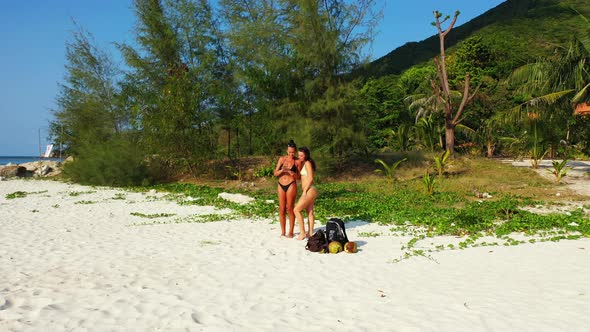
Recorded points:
(519,29)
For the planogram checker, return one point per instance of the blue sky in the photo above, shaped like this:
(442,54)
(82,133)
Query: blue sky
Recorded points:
(33,34)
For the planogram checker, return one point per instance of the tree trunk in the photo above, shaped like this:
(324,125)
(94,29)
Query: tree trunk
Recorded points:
(450,120)
(238,143)
(250,149)
(228,143)
(449,131)
(490,150)
(450,138)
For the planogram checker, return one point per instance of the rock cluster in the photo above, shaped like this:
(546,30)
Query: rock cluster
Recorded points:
(40,168)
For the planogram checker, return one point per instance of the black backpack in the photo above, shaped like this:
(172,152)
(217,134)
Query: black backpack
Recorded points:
(317,242)
(335,231)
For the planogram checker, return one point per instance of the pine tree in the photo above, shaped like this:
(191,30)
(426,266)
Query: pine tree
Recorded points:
(172,84)
(88,110)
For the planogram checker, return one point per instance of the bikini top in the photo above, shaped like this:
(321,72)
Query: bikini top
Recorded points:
(304,171)
(293,169)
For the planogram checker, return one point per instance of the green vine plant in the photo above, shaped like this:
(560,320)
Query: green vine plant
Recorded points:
(559,170)
(369,234)
(152,216)
(441,163)
(22,194)
(389,170)
(16,194)
(429,182)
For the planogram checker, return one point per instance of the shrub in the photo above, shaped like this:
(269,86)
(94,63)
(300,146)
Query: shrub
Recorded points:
(116,162)
(264,171)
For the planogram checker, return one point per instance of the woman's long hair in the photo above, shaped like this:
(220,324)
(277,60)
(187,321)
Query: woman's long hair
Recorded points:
(307,155)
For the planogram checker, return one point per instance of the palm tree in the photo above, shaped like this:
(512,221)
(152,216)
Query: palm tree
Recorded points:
(428,109)
(554,86)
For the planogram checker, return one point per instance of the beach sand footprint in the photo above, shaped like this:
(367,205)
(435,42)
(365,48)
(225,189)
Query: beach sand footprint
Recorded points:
(4,303)
(196,318)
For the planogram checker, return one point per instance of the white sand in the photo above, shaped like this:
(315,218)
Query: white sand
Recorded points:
(67,266)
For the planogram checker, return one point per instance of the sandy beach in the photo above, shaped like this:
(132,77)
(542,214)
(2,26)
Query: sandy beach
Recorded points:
(77,258)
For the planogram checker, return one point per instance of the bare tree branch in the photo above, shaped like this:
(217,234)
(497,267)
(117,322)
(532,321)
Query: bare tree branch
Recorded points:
(464,100)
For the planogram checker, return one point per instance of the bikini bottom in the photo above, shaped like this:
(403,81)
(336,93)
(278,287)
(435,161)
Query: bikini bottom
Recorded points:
(286,187)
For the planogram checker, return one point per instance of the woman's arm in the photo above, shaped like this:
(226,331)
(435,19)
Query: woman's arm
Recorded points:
(279,169)
(297,175)
(310,175)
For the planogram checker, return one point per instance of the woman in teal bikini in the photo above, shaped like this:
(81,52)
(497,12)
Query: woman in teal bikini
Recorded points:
(287,171)
(309,194)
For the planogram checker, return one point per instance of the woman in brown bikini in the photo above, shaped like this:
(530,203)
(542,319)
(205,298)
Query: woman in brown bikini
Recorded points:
(308,195)
(287,171)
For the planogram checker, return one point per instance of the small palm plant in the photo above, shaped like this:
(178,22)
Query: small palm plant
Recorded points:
(441,163)
(389,170)
(401,137)
(538,151)
(429,182)
(537,156)
(559,169)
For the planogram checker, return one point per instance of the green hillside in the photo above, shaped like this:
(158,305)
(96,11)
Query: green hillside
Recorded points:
(518,30)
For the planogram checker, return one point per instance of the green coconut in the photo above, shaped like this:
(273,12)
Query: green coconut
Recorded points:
(335,247)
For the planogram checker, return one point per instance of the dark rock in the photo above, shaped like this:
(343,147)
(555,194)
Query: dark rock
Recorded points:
(12,171)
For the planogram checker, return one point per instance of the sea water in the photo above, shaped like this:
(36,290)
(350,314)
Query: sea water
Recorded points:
(15,160)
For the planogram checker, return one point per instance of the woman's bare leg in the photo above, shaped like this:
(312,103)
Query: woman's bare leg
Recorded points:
(310,219)
(291,196)
(298,208)
(282,205)
(312,194)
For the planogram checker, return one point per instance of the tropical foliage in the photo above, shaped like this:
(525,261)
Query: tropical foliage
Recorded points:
(207,81)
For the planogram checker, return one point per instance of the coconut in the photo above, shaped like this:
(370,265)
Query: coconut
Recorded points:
(335,247)
(350,247)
